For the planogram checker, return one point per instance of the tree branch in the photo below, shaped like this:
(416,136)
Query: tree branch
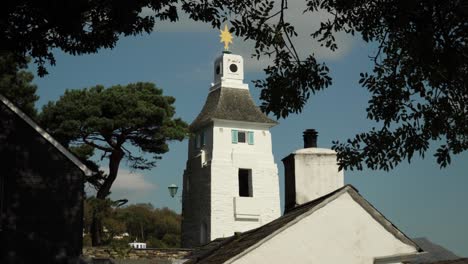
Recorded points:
(91,143)
(281,22)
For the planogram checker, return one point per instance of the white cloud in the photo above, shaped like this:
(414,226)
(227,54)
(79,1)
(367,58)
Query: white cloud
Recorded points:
(304,23)
(307,23)
(128,185)
(132,181)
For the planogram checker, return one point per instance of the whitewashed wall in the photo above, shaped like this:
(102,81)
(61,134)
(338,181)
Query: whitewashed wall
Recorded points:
(340,232)
(227,159)
(211,191)
(316,173)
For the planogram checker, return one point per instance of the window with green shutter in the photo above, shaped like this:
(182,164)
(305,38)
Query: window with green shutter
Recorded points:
(239,136)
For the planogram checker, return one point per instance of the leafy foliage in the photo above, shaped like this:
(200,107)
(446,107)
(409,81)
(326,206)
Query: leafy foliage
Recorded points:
(419,81)
(108,120)
(118,122)
(16,83)
(35,27)
(159,228)
(418,85)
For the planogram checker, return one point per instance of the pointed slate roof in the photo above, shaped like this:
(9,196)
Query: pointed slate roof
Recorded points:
(46,136)
(230,104)
(238,245)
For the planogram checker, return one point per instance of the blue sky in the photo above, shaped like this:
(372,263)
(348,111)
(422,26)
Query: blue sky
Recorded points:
(419,198)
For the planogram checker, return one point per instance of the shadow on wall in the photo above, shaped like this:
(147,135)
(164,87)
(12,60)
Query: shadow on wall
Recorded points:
(41,197)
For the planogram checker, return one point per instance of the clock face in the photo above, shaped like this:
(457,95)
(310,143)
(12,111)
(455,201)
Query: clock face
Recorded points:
(233,68)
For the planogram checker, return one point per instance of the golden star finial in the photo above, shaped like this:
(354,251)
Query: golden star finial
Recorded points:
(226,37)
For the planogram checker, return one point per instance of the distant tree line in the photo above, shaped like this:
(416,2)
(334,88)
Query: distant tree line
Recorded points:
(159,228)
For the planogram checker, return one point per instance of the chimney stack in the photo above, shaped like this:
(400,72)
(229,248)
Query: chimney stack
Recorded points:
(310,138)
(310,172)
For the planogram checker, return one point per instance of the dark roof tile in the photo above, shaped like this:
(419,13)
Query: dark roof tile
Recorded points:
(235,245)
(434,252)
(230,104)
(453,261)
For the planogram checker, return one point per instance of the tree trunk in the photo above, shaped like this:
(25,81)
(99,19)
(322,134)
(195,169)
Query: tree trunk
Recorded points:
(96,230)
(141,230)
(114,162)
(103,192)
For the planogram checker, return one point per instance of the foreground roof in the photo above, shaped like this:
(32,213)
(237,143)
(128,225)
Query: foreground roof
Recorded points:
(454,261)
(242,243)
(230,104)
(434,252)
(46,136)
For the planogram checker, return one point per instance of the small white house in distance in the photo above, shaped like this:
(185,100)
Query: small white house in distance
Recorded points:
(137,245)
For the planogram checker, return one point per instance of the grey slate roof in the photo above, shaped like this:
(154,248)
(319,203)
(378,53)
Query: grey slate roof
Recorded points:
(230,104)
(233,246)
(453,261)
(434,253)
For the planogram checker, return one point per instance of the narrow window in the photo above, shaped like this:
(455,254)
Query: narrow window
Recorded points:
(202,138)
(203,233)
(241,137)
(199,139)
(196,143)
(245,183)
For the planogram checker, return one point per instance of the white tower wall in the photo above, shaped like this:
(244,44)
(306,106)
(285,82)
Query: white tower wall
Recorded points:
(229,212)
(231,180)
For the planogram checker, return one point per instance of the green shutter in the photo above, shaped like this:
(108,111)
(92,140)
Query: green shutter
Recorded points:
(234,136)
(250,137)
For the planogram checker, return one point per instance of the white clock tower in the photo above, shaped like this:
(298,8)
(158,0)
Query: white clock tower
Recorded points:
(231,180)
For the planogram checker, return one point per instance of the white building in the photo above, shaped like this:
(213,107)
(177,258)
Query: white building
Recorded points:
(231,180)
(137,245)
(231,193)
(324,222)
